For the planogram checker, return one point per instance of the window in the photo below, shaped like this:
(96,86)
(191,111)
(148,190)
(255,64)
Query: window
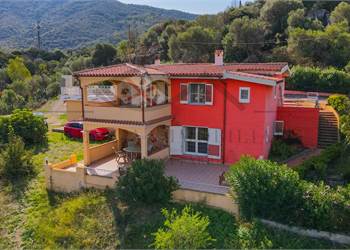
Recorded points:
(278,127)
(196,93)
(196,140)
(244,95)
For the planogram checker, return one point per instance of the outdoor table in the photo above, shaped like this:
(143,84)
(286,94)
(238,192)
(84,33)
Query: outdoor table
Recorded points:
(133,150)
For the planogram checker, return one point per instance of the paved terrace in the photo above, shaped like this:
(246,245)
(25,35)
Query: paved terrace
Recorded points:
(191,175)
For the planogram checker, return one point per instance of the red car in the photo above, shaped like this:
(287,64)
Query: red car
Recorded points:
(75,130)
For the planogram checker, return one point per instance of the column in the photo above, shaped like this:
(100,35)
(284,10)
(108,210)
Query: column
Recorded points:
(144,153)
(86,143)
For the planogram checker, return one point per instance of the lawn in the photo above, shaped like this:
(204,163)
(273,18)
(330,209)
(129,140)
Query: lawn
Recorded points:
(31,217)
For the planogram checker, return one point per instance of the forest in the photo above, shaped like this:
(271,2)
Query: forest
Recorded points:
(312,36)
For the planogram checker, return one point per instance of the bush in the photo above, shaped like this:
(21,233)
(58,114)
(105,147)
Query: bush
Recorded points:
(145,182)
(267,190)
(280,150)
(15,161)
(32,129)
(315,168)
(340,103)
(316,79)
(189,230)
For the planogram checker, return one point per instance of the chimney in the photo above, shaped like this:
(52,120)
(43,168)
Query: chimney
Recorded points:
(219,57)
(157,60)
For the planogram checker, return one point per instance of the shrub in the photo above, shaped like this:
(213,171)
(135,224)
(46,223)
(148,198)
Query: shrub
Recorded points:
(267,190)
(189,230)
(32,129)
(345,127)
(317,79)
(15,161)
(315,168)
(263,187)
(145,182)
(340,103)
(280,150)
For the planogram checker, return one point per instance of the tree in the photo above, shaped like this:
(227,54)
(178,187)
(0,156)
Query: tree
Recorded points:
(4,79)
(245,39)
(297,19)
(189,230)
(15,160)
(341,13)
(17,71)
(123,51)
(324,48)
(275,13)
(196,44)
(9,101)
(103,55)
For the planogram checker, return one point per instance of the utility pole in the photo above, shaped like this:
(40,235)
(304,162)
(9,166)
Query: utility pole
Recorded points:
(129,43)
(38,35)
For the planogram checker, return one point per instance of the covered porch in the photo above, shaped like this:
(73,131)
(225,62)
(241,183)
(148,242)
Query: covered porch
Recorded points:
(136,141)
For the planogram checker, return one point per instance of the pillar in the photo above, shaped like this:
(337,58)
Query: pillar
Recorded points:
(86,143)
(144,153)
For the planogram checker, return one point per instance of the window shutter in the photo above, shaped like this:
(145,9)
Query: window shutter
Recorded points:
(176,140)
(214,143)
(183,93)
(209,94)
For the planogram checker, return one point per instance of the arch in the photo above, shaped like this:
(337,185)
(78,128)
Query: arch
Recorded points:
(158,139)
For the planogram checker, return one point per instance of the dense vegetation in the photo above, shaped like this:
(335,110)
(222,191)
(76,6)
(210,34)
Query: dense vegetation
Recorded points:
(70,24)
(268,190)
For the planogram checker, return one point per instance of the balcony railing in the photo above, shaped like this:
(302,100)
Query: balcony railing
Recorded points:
(107,111)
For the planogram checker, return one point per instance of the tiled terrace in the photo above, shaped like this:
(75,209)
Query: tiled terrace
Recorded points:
(191,175)
(197,176)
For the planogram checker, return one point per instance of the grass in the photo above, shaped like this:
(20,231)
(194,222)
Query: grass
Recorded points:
(31,217)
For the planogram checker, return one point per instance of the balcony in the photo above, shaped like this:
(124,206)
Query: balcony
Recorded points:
(101,111)
(123,102)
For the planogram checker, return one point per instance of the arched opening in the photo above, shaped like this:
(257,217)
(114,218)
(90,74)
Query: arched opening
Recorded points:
(158,139)
(157,93)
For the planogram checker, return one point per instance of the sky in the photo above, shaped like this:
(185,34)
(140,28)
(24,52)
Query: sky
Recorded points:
(192,6)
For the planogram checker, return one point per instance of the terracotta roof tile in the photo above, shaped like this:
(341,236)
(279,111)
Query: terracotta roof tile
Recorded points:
(255,76)
(191,70)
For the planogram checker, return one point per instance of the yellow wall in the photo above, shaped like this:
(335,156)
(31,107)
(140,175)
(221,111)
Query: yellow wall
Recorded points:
(74,110)
(224,202)
(163,154)
(101,151)
(157,112)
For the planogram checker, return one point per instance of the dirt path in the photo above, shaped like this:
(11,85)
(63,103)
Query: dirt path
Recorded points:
(303,157)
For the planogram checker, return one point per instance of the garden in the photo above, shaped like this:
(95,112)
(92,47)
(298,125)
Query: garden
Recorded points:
(143,215)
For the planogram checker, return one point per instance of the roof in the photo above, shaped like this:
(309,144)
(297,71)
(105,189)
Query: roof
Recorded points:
(264,80)
(120,70)
(212,70)
(185,69)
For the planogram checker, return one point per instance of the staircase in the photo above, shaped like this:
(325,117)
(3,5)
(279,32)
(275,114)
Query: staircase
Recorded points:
(328,128)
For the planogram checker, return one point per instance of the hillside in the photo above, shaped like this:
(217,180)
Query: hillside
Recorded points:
(70,23)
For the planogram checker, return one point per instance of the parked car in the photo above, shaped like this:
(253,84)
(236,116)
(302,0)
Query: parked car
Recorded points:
(75,129)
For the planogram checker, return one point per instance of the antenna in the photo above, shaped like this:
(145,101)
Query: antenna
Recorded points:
(38,27)
(129,43)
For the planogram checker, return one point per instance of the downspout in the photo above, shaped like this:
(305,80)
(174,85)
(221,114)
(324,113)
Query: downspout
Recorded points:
(224,121)
(142,100)
(82,100)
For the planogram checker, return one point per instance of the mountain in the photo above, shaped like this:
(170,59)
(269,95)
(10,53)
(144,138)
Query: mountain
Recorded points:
(73,23)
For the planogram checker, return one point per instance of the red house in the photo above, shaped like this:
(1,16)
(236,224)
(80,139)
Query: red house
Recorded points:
(208,112)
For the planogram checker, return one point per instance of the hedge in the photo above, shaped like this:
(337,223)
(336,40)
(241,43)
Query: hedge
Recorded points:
(316,79)
(267,190)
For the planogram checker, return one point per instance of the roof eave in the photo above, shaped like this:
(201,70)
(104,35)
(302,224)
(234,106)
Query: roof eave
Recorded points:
(250,78)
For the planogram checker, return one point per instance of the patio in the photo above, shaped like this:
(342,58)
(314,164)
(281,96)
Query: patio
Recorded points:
(191,175)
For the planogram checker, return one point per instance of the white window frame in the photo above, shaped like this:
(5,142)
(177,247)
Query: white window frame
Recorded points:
(240,96)
(196,141)
(189,93)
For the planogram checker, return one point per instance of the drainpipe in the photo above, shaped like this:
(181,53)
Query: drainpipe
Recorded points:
(82,100)
(142,100)
(224,120)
